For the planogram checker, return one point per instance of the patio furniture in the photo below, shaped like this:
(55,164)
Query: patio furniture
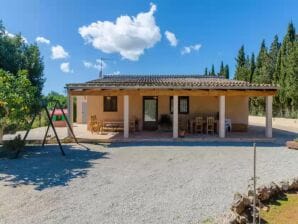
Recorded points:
(210,125)
(198,125)
(117,125)
(94,125)
(228,125)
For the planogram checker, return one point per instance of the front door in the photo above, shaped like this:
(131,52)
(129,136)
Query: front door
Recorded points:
(150,113)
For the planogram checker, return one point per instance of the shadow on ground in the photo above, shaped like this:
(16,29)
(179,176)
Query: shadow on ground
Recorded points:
(279,139)
(46,167)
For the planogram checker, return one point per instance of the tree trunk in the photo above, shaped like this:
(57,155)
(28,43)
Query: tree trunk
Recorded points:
(1,135)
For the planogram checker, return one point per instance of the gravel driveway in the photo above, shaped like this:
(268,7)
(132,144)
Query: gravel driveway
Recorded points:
(133,184)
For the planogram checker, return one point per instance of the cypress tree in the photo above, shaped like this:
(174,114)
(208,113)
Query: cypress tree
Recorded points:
(241,66)
(206,71)
(227,72)
(221,70)
(252,67)
(212,71)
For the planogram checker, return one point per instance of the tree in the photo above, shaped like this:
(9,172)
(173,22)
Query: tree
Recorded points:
(17,55)
(206,72)
(242,69)
(273,57)
(227,72)
(212,73)
(52,97)
(221,70)
(252,67)
(262,74)
(16,96)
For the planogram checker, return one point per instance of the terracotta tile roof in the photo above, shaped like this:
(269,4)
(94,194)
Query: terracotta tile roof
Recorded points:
(168,81)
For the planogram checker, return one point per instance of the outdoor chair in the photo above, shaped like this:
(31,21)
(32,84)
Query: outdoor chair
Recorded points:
(210,125)
(94,125)
(198,125)
(228,125)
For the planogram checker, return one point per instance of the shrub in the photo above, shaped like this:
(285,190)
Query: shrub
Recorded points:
(14,145)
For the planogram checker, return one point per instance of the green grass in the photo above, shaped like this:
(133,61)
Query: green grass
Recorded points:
(282,211)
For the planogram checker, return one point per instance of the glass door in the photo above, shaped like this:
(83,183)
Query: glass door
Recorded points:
(150,113)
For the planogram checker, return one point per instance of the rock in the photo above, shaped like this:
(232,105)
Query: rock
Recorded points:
(283,185)
(242,219)
(293,184)
(266,192)
(263,193)
(240,202)
(229,217)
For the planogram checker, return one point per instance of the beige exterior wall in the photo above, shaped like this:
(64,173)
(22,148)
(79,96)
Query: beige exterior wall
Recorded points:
(236,107)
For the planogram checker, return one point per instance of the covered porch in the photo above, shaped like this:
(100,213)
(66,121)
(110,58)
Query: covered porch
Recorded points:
(139,113)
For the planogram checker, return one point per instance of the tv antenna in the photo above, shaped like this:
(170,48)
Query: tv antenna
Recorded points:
(101,61)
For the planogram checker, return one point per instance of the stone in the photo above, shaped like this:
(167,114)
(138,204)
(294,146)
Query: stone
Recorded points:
(283,185)
(242,219)
(240,202)
(293,184)
(266,208)
(229,217)
(263,193)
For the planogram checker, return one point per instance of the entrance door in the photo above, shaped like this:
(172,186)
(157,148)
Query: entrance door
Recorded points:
(150,113)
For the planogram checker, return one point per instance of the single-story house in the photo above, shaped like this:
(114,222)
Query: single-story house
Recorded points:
(146,100)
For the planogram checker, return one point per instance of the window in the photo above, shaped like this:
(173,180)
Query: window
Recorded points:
(183,104)
(110,103)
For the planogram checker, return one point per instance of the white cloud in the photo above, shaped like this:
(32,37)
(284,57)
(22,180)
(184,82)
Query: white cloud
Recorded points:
(128,36)
(95,65)
(189,49)
(65,67)
(58,52)
(171,38)
(42,40)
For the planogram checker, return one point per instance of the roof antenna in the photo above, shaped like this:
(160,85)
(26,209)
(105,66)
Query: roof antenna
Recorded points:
(102,60)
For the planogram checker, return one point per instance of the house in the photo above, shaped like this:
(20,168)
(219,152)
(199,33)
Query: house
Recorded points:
(146,99)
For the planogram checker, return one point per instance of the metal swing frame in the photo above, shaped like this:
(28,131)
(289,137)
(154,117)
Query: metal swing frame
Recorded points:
(50,117)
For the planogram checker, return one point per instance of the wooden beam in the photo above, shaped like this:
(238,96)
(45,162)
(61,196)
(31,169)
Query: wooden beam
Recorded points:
(178,92)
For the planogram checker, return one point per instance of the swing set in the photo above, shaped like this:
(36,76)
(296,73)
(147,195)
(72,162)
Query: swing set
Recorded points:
(50,117)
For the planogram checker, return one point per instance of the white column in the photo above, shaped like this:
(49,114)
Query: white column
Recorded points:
(70,111)
(222,109)
(268,131)
(126,116)
(175,117)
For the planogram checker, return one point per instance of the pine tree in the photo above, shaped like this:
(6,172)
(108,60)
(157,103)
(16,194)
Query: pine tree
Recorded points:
(252,67)
(212,73)
(221,70)
(227,72)
(273,56)
(261,74)
(242,72)
(206,71)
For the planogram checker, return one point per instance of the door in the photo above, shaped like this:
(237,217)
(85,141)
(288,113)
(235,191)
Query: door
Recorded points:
(150,113)
(84,112)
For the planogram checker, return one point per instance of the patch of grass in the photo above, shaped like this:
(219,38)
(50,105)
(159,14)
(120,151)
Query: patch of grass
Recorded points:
(282,211)
(208,221)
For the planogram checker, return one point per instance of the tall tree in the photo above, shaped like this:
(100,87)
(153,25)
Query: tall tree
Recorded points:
(227,72)
(252,67)
(261,74)
(221,69)
(212,73)
(206,72)
(273,56)
(16,55)
(242,72)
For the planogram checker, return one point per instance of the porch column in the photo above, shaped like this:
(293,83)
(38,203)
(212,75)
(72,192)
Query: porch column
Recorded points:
(126,116)
(268,131)
(222,109)
(70,111)
(175,116)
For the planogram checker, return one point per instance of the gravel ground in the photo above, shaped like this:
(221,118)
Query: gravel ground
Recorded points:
(134,184)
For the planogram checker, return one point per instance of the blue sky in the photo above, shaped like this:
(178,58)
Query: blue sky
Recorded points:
(207,32)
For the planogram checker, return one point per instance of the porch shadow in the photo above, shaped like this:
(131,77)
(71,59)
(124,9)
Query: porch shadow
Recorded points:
(46,168)
(244,139)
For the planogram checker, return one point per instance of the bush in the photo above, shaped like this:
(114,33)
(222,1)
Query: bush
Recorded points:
(14,145)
